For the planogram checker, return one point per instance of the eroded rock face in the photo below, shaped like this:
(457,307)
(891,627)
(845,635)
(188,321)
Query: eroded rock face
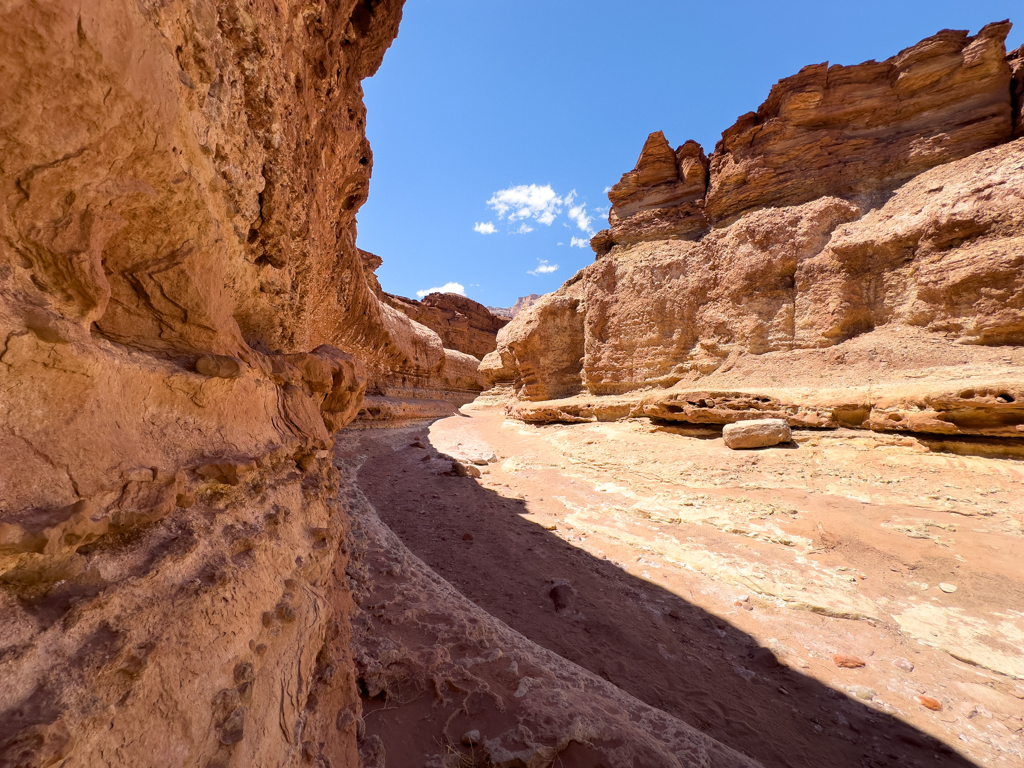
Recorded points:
(173,315)
(803,256)
(849,131)
(463,324)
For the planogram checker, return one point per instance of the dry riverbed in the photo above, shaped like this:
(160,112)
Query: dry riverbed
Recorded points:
(849,599)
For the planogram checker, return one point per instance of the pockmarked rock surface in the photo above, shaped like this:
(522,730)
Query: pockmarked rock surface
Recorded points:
(184,323)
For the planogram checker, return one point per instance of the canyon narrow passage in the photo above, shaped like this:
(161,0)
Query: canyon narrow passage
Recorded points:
(723,588)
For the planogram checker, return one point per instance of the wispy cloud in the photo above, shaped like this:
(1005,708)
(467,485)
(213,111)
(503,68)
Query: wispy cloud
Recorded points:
(527,201)
(543,268)
(524,228)
(484,228)
(578,213)
(579,242)
(446,288)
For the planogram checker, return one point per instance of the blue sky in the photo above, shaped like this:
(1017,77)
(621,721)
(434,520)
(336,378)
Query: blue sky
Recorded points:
(518,114)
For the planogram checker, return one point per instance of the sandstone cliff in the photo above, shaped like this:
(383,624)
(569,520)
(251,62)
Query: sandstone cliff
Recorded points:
(177,275)
(461,323)
(871,206)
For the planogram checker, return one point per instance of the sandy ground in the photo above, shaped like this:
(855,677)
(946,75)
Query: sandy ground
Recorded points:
(719,586)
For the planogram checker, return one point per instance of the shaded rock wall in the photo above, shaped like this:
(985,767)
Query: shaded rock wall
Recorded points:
(178,277)
(787,253)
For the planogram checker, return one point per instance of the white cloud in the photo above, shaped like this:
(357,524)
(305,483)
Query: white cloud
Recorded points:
(524,228)
(527,201)
(484,228)
(446,288)
(543,268)
(579,242)
(607,190)
(578,213)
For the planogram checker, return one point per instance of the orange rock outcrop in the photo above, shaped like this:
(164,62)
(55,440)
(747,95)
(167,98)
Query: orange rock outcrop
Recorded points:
(874,202)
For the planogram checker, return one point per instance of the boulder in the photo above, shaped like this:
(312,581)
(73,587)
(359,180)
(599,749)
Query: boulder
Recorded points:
(757,433)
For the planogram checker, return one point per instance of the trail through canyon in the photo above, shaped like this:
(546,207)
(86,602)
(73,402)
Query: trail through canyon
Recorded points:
(793,603)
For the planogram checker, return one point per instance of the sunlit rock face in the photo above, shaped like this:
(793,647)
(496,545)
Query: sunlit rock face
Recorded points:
(178,281)
(882,200)
(463,324)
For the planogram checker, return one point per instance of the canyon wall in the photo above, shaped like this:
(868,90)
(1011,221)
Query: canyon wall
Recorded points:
(178,279)
(879,204)
(461,323)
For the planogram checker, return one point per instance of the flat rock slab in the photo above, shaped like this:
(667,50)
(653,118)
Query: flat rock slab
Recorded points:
(756,433)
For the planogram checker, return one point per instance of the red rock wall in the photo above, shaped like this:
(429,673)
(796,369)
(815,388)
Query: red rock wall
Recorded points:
(177,272)
(462,323)
(882,195)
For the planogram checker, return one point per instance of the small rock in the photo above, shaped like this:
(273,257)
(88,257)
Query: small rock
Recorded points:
(491,457)
(465,470)
(746,606)
(426,458)
(756,433)
(947,587)
(861,692)
(479,461)
(467,537)
(904,664)
(471,738)
(764,658)
(220,366)
(927,701)
(847,662)
(561,595)
(417,444)
(924,587)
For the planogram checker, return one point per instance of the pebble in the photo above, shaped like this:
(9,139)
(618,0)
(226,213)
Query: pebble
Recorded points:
(467,537)
(847,662)
(904,664)
(947,587)
(417,444)
(861,692)
(927,701)
(470,738)
(924,587)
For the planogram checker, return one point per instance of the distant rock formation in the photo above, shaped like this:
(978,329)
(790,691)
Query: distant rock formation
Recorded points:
(881,196)
(462,324)
(523,302)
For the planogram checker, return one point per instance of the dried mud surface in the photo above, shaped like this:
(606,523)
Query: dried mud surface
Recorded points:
(718,586)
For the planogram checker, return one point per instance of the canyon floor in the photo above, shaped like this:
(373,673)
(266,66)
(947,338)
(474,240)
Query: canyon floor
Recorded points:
(720,587)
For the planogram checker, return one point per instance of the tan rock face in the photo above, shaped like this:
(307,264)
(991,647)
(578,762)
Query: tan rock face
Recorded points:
(178,281)
(802,255)
(661,198)
(848,131)
(1016,61)
(463,324)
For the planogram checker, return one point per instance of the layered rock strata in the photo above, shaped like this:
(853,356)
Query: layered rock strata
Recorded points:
(843,131)
(461,323)
(796,261)
(178,279)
